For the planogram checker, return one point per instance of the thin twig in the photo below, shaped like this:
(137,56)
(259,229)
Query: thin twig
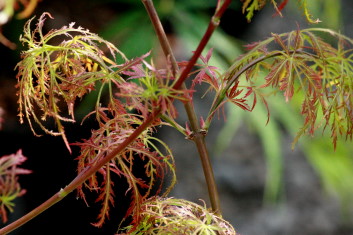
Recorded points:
(81,178)
(233,78)
(199,138)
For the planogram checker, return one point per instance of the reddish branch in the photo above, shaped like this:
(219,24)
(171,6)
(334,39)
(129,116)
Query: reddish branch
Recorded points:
(199,138)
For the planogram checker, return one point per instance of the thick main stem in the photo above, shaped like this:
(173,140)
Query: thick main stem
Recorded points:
(199,138)
(200,143)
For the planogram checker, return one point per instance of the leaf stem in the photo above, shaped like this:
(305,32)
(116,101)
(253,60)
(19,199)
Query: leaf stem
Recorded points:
(234,77)
(206,37)
(199,137)
(219,98)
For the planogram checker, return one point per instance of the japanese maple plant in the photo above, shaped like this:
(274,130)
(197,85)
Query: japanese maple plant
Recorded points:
(52,79)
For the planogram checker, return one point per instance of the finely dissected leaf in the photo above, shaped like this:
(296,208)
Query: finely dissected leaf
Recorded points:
(51,77)
(177,216)
(334,166)
(207,74)
(303,63)
(250,6)
(10,188)
(112,132)
(152,89)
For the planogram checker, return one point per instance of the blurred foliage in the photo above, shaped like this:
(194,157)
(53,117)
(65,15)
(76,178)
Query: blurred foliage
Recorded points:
(185,20)
(328,11)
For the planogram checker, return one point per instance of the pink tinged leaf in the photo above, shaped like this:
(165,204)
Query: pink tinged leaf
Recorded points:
(279,40)
(10,188)
(206,59)
(251,46)
(241,102)
(198,79)
(267,108)
(106,196)
(250,92)
(135,66)
(42,20)
(233,92)
(298,40)
(202,123)
(136,71)
(188,131)
(11,163)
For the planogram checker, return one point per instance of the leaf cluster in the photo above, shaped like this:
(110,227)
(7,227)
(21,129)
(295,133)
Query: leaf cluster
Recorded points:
(156,161)
(301,62)
(10,189)
(177,216)
(297,63)
(52,78)
(152,89)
